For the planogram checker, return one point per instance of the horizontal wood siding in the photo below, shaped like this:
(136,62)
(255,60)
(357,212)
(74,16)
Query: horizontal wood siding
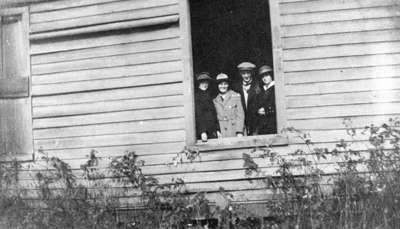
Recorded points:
(123,90)
(112,91)
(340,60)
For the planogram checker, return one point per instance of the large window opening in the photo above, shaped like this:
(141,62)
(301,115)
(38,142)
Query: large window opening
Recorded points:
(226,33)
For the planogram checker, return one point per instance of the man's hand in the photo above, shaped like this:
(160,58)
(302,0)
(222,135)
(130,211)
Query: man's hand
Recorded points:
(204,137)
(261,111)
(219,135)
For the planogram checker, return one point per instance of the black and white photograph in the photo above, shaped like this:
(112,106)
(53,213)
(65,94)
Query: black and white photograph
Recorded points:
(199,114)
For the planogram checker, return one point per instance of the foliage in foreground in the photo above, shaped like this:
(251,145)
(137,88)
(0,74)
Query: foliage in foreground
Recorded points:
(356,185)
(59,201)
(349,187)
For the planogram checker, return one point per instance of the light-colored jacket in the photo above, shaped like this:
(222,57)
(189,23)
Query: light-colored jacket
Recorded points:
(230,113)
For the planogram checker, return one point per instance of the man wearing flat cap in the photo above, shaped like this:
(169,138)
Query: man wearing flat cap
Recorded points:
(248,88)
(207,125)
(266,110)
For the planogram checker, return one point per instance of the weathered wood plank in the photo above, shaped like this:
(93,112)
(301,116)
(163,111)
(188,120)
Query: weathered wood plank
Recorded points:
(229,175)
(140,23)
(110,128)
(341,74)
(169,149)
(343,86)
(243,142)
(14,87)
(162,154)
(381,96)
(125,15)
(344,111)
(107,73)
(337,123)
(329,5)
(342,50)
(55,5)
(330,168)
(342,62)
(111,140)
(129,197)
(1,56)
(187,68)
(207,164)
(354,37)
(222,166)
(112,39)
(15,113)
(225,156)
(96,9)
(227,186)
(121,116)
(109,95)
(278,63)
(341,27)
(107,62)
(115,189)
(7,4)
(111,50)
(124,82)
(110,106)
(16,129)
(341,15)
(218,168)
(239,197)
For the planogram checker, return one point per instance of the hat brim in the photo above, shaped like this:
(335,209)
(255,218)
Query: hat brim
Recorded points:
(246,69)
(265,73)
(205,79)
(208,80)
(222,80)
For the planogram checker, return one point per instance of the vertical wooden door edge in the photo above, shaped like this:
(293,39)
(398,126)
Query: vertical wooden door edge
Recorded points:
(187,61)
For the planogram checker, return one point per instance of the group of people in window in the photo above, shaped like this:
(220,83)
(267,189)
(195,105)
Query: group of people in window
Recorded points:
(243,108)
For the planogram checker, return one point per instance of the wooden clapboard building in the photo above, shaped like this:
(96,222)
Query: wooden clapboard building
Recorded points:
(117,75)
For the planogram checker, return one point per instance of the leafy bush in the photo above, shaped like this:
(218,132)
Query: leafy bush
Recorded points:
(59,202)
(347,187)
(361,192)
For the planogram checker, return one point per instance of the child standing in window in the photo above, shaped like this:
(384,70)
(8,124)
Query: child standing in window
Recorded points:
(266,110)
(206,117)
(229,109)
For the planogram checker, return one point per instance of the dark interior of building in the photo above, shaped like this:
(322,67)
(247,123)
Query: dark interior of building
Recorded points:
(228,32)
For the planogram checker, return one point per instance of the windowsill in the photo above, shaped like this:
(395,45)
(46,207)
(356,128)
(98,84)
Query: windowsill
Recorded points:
(241,142)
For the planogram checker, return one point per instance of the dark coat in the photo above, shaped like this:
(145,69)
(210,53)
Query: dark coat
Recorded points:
(206,116)
(251,109)
(266,123)
(230,114)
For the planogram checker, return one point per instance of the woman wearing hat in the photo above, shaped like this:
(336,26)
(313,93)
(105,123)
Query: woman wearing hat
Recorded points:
(206,117)
(229,109)
(266,102)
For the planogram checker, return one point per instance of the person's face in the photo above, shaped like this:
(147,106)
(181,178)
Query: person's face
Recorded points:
(266,79)
(246,75)
(223,87)
(203,85)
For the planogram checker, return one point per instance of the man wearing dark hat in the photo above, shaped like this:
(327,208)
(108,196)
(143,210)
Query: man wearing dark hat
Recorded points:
(207,125)
(266,110)
(248,88)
